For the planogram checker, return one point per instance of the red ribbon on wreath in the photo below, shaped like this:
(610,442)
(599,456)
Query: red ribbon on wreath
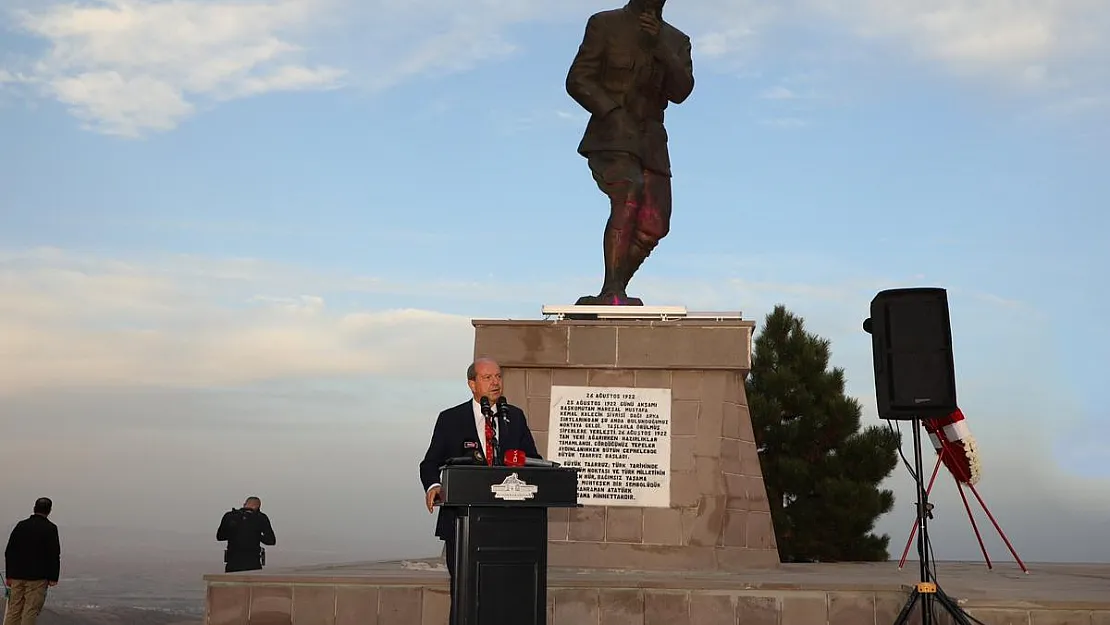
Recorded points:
(955,445)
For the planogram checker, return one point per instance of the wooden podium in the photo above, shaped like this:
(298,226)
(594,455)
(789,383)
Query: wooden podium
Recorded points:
(501,539)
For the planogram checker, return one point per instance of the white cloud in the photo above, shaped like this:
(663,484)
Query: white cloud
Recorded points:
(1051,49)
(130,66)
(1021,41)
(9,82)
(122,106)
(724,30)
(959,31)
(90,322)
(987,34)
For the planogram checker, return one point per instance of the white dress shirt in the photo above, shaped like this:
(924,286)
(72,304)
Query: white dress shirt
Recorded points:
(480,423)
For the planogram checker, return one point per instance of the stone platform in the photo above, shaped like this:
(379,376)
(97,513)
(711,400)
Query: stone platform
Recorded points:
(414,592)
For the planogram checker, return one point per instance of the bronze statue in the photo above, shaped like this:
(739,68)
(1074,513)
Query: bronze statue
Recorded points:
(630,64)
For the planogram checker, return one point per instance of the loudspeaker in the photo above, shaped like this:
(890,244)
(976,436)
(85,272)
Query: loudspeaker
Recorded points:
(911,344)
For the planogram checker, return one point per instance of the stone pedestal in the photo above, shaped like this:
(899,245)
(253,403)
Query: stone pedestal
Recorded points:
(718,518)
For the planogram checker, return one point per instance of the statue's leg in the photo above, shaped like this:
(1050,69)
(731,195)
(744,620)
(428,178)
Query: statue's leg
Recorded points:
(653,220)
(620,177)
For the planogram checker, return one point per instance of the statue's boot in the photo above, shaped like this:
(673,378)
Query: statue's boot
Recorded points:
(615,246)
(617,243)
(638,251)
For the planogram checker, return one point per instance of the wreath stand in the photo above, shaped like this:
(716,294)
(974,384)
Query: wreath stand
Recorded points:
(974,526)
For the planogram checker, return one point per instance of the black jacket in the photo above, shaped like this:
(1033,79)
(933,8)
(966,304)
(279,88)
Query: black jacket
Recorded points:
(613,70)
(244,529)
(34,551)
(454,427)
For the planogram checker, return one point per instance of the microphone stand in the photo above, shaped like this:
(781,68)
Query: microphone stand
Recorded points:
(502,419)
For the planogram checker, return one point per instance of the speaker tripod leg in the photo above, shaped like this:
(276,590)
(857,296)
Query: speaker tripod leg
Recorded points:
(947,604)
(907,609)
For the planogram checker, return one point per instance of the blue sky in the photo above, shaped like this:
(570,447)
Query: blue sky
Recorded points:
(266,225)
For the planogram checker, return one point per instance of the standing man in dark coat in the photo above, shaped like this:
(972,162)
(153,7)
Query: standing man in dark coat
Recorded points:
(245,531)
(460,431)
(629,66)
(32,561)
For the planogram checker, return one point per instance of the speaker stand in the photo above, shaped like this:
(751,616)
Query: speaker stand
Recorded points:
(933,599)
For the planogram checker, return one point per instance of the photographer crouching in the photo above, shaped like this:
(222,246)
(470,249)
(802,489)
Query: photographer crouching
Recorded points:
(246,529)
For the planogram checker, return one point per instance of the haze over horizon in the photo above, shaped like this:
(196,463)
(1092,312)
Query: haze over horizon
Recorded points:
(241,243)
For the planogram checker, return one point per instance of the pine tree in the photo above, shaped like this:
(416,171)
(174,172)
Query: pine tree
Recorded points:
(822,473)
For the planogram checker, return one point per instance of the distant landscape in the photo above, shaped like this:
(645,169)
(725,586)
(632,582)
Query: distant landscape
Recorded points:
(115,582)
(128,577)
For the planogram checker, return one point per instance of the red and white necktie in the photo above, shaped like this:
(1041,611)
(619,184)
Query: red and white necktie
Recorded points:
(489,441)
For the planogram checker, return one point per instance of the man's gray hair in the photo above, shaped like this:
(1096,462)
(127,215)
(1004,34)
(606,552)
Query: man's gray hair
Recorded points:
(472,370)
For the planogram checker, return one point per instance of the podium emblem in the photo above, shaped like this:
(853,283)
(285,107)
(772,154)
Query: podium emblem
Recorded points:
(512,488)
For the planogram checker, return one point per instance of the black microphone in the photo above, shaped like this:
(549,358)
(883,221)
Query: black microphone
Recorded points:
(502,418)
(484,403)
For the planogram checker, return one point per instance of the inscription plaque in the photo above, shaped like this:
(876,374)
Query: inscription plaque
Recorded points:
(620,440)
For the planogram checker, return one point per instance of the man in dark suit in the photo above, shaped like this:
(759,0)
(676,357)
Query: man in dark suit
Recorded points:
(246,529)
(629,65)
(465,424)
(32,561)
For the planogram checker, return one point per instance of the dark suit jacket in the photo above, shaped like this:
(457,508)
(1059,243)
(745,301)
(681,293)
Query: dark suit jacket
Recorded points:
(612,69)
(456,426)
(245,531)
(34,551)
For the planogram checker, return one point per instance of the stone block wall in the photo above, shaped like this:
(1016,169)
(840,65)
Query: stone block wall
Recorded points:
(719,516)
(265,603)
(326,604)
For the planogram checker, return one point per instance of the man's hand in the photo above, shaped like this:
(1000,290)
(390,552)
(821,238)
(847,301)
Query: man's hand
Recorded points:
(431,497)
(650,25)
(51,583)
